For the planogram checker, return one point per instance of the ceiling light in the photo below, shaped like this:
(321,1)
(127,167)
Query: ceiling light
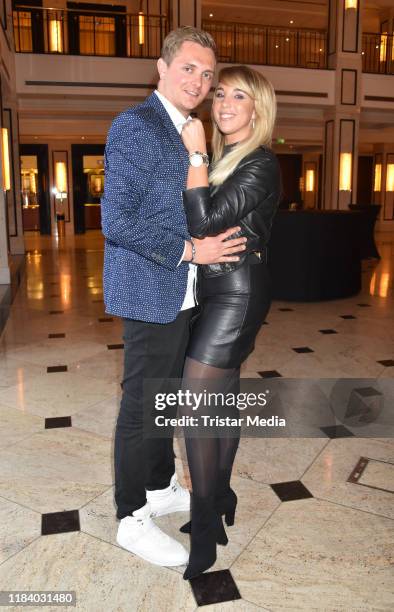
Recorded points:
(211,14)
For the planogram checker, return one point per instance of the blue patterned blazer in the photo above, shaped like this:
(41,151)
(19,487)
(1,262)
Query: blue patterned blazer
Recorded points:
(143,220)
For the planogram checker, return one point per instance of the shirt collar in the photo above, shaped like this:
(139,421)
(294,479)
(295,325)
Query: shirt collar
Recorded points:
(175,115)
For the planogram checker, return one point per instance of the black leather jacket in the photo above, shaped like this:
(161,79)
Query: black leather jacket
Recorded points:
(249,198)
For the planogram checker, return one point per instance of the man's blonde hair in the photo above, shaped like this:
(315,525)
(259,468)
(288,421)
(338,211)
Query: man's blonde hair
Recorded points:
(176,38)
(262,92)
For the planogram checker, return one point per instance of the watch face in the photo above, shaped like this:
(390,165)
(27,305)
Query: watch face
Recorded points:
(196,160)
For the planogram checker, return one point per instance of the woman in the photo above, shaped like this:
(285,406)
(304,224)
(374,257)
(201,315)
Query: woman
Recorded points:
(243,190)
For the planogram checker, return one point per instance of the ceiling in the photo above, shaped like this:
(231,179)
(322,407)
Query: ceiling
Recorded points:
(64,118)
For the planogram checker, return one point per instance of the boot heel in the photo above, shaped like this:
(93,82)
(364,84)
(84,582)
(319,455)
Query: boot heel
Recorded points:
(226,503)
(221,536)
(229,517)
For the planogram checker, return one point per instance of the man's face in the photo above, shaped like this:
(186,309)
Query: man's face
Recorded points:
(188,78)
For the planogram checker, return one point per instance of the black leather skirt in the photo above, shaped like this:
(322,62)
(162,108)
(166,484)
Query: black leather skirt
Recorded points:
(233,307)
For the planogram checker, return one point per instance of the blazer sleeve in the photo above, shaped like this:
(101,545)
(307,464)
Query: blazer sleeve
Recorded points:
(132,157)
(244,190)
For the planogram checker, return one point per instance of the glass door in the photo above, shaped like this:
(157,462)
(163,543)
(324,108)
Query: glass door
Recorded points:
(88,185)
(36,212)
(93,169)
(29,181)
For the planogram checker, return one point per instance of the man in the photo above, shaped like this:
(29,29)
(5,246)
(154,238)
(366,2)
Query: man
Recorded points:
(149,280)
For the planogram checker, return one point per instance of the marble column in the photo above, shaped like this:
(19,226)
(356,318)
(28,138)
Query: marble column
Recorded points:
(13,196)
(341,130)
(383,185)
(5,79)
(4,246)
(11,238)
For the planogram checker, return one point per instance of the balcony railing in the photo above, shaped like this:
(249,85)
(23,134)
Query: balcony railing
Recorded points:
(120,34)
(378,53)
(257,44)
(85,32)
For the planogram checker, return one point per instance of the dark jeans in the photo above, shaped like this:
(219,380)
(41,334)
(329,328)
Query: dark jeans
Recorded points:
(151,350)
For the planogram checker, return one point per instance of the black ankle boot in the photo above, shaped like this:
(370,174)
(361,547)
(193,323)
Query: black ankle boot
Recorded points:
(206,525)
(225,504)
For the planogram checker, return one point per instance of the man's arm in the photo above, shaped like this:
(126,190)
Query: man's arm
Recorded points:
(127,176)
(132,155)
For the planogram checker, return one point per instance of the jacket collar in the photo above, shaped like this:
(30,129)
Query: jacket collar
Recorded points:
(155,103)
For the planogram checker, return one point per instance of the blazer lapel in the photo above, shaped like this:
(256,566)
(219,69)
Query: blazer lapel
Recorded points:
(154,101)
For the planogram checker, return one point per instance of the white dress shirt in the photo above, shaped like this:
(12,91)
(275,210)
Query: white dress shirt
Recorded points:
(179,121)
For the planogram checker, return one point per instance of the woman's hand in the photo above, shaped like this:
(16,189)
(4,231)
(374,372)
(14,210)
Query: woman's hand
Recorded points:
(193,136)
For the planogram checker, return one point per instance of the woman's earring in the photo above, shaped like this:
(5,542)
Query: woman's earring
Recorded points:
(253,124)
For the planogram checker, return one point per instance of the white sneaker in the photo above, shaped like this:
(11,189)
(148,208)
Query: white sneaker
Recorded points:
(173,498)
(139,535)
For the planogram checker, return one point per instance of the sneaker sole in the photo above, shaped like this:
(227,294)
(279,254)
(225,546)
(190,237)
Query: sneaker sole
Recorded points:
(133,552)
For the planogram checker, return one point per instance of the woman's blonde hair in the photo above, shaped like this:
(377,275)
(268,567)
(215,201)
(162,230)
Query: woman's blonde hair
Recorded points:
(261,91)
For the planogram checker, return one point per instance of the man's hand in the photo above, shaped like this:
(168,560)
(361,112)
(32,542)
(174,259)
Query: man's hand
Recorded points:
(193,136)
(216,249)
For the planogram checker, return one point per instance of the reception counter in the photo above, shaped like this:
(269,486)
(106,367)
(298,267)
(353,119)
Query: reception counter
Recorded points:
(315,255)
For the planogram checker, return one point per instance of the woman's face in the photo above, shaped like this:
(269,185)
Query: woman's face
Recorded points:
(233,111)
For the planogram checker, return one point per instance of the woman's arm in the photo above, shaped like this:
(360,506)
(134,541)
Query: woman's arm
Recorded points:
(193,136)
(249,186)
(253,184)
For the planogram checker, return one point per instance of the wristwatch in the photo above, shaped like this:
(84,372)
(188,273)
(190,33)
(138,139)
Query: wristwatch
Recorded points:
(198,159)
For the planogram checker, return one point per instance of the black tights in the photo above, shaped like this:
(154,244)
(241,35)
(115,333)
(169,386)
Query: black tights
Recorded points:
(212,457)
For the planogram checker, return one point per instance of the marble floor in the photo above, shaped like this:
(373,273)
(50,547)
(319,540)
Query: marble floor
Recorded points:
(307,536)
